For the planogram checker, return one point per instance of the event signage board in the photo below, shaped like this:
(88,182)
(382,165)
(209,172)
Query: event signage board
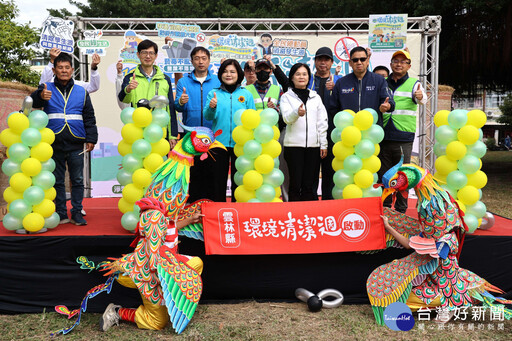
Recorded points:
(58,33)
(293,227)
(387,31)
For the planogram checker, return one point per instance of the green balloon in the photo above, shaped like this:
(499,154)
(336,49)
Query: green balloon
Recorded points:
(453,192)
(375,117)
(445,134)
(244,164)
(126,115)
(12,223)
(124,177)
(45,180)
(48,165)
(469,164)
(439,149)
(9,167)
(477,149)
(342,178)
(129,220)
(336,135)
(375,134)
(136,210)
(252,149)
(19,208)
(237,117)
(160,117)
(33,195)
(277,163)
(269,116)
(153,133)
(364,149)
(337,193)
(372,192)
(38,119)
(478,209)
(343,119)
(458,118)
(52,221)
(375,178)
(352,163)
(254,200)
(263,133)
(265,193)
(239,179)
(471,222)
(19,152)
(30,137)
(141,148)
(131,163)
(456,180)
(275,178)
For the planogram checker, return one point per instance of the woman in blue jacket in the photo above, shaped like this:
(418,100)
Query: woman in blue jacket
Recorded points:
(221,105)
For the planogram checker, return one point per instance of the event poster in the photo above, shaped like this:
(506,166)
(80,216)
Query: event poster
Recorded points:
(93,43)
(387,31)
(58,33)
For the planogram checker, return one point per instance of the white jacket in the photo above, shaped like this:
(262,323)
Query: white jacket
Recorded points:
(309,130)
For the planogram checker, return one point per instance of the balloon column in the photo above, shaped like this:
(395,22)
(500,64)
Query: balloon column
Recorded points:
(257,165)
(143,148)
(29,166)
(459,149)
(356,146)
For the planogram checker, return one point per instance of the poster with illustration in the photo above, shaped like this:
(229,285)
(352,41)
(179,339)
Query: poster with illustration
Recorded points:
(92,43)
(387,31)
(233,46)
(58,33)
(128,52)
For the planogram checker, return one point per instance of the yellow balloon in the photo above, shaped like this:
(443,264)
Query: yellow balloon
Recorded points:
(124,148)
(241,135)
(477,179)
(124,206)
(264,164)
(10,195)
(250,119)
(363,120)
(164,132)
(461,206)
(363,178)
(42,151)
(337,164)
(33,222)
(242,194)
(31,166)
(131,133)
(477,118)
(351,112)
(377,149)
(468,195)
(277,200)
(441,118)
(372,164)
(440,177)
(238,149)
(44,208)
(272,148)
(341,151)
(161,147)
(278,192)
(47,135)
(50,193)
(350,136)
(142,117)
(252,180)
(456,150)
(132,193)
(277,133)
(468,134)
(444,165)
(8,137)
(352,191)
(18,122)
(20,182)
(152,162)
(141,178)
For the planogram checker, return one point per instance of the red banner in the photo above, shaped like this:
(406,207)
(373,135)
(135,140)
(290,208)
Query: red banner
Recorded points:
(293,227)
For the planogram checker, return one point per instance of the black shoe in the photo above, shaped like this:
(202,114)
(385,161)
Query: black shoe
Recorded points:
(77,219)
(64,218)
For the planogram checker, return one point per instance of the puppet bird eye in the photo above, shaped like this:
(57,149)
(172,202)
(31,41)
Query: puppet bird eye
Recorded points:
(392,183)
(205,140)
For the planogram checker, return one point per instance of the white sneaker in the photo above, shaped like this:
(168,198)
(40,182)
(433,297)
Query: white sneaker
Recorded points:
(84,213)
(110,317)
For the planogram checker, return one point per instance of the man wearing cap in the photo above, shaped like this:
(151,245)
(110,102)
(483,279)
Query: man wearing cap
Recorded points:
(264,93)
(400,124)
(323,83)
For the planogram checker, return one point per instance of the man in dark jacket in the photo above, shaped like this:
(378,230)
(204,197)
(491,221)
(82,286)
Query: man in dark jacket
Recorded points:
(71,118)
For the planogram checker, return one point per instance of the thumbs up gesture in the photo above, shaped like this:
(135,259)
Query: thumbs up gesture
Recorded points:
(302,110)
(213,101)
(270,104)
(46,94)
(132,85)
(385,106)
(329,85)
(184,97)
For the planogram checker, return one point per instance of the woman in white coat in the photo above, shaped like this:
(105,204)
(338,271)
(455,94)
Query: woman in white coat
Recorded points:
(305,141)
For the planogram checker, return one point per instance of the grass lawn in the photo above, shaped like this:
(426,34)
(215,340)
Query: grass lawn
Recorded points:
(497,195)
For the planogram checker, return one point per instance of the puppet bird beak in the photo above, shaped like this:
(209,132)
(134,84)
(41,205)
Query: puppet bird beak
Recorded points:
(216,144)
(387,192)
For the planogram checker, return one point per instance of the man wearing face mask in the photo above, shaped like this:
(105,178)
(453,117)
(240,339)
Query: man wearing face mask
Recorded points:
(265,94)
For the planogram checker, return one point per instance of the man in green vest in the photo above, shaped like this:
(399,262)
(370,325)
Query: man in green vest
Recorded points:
(265,94)
(400,124)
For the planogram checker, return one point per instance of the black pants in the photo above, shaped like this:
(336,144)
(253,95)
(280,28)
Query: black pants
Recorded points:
(390,154)
(219,173)
(304,168)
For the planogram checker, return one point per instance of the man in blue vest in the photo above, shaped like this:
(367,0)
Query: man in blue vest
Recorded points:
(71,118)
(400,124)
(191,93)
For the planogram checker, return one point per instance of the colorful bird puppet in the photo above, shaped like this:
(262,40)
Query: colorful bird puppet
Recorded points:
(169,283)
(430,277)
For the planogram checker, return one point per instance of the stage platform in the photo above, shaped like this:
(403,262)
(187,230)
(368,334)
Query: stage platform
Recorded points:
(40,271)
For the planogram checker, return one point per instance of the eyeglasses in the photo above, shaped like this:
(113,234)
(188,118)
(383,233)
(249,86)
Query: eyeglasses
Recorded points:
(355,60)
(403,62)
(147,53)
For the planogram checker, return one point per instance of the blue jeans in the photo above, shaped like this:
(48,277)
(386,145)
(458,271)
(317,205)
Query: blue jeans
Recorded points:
(75,164)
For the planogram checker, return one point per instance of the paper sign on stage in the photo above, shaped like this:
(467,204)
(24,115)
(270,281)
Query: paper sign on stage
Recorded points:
(293,227)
